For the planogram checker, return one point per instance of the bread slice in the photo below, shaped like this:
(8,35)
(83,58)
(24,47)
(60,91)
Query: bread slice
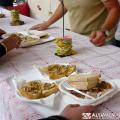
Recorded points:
(84,81)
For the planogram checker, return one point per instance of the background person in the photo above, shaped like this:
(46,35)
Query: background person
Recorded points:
(94,18)
(117,34)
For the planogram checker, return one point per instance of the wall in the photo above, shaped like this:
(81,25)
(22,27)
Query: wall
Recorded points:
(43,14)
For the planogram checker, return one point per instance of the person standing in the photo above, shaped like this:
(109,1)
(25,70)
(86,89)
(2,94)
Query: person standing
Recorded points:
(94,18)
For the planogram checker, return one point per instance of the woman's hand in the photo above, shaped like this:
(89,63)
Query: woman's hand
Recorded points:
(41,26)
(98,38)
(2,32)
(74,112)
(12,42)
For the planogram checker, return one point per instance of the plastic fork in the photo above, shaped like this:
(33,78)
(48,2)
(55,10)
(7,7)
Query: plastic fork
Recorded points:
(69,87)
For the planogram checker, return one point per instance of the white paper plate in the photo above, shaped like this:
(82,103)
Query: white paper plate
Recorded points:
(57,101)
(16,82)
(46,77)
(107,95)
(35,42)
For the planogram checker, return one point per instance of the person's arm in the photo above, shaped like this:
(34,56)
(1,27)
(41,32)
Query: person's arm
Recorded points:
(99,37)
(55,17)
(8,44)
(113,13)
(72,112)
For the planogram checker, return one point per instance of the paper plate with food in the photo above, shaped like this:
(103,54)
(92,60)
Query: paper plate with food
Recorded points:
(32,37)
(88,88)
(35,91)
(56,72)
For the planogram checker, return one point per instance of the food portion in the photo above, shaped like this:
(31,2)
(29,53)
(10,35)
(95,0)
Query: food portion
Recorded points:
(15,18)
(57,71)
(64,47)
(84,81)
(90,84)
(26,40)
(37,89)
(29,38)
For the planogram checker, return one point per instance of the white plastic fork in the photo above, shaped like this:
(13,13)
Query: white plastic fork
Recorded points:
(69,87)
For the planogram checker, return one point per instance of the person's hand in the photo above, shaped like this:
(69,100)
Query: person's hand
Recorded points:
(2,32)
(74,112)
(12,42)
(98,38)
(41,26)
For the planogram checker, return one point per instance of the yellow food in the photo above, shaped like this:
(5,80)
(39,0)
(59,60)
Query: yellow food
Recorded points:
(15,16)
(37,89)
(64,47)
(57,71)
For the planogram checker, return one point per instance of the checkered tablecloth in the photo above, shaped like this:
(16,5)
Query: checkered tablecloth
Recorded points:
(106,59)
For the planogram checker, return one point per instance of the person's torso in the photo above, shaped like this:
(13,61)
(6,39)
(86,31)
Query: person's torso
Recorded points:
(86,15)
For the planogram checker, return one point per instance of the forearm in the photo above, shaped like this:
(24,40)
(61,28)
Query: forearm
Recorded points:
(113,9)
(111,19)
(58,14)
(7,44)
